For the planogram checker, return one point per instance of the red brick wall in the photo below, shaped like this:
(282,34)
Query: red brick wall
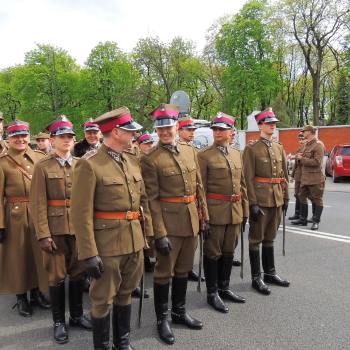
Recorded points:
(289,140)
(251,135)
(334,136)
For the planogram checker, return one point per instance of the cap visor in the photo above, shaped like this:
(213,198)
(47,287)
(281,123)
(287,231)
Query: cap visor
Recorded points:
(162,123)
(20,132)
(132,126)
(64,132)
(220,126)
(94,128)
(270,120)
(191,127)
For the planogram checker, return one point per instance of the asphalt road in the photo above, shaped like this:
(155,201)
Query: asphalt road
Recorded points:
(313,313)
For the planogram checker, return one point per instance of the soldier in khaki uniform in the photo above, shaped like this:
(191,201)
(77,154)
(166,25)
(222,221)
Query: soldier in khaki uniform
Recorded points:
(107,193)
(312,178)
(266,175)
(145,142)
(173,182)
(43,142)
(186,128)
(224,184)
(20,256)
(296,175)
(3,144)
(49,208)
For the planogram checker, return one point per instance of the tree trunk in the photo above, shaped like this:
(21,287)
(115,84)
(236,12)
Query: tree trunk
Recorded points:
(316,98)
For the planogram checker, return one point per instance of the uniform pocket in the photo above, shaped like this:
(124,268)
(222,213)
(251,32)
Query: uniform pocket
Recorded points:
(104,224)
(55,211)
(110,181)
(218,172)
(52,176)
(171,171)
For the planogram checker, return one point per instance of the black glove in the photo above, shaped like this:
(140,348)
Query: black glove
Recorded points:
(163,245)
(2,235)
(205,230)
(244,222)
(285,205)
(94,267)
(255,211)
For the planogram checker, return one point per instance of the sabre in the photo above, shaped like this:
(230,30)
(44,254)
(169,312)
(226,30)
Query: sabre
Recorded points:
(284,232)
(199,289)
(242,250)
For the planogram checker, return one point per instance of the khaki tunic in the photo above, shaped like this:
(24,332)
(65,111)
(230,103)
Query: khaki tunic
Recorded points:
(3,146)
(296,173)
(102,184)
(265,159)
(223,174)
(51,181)
(21,266)
(168,174)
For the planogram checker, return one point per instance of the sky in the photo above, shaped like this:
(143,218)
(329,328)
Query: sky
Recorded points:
(79,25)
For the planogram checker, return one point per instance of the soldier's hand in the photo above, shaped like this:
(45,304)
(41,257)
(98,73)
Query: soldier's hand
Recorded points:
(2,235)
(255,211)
(163,245)
(285,205)
(47,245)
(244,223)
(94,267)
(206,230)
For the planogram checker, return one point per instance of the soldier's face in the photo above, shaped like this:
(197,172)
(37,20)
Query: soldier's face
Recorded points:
(222,136)
(63,143)
(19,142)
(146,146)
(43,144)
(167,134)
(92,137)
(187,134)
(267,128)
(124,138)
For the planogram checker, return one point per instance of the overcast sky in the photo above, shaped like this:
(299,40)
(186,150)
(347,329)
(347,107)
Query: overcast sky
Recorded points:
(78,25)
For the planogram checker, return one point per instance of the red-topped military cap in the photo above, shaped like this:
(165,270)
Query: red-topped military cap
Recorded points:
(60,126)
(17,127)
(165,115)
(145,138)
(89,125)
(267,116)
(223,121)
(118,118)
(186,122)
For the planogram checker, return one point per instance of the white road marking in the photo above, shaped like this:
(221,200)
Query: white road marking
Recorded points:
(317,234)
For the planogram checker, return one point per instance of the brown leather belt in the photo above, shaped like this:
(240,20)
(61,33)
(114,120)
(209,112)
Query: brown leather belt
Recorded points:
(184,199)
(58,202)
(271,180)
(225,197)
(17,199)
(117,215)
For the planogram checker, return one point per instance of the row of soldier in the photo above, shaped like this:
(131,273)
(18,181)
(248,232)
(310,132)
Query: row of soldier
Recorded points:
(96,215)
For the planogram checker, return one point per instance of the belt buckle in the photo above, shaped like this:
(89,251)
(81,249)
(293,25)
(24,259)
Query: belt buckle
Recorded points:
(186,199)
(274,180)
(232,199)
(128,215)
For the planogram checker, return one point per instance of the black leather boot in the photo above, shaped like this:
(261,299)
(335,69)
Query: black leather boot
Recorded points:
(57,295)
(86,284)
(302,221)
(224,273)
(313,213)
(23,307)
(270,275)
(317,217)
(100,332)
(211,280)
(161,292)
(257,282)
(39,299)
(297,210)
(77,318)
(178,310)
(121,327)
(136,293)
(149,266)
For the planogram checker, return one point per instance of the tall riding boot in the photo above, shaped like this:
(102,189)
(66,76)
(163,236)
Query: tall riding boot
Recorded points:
(161,292)
(77,318)
(257,282)
(39,299)
(297,210)
(57,295)
(178,310)
(270,275)
(23,307)
(317,217)
(121,327)
(313,213)
(303,215)
(211,280)
(100,329)
(224,274)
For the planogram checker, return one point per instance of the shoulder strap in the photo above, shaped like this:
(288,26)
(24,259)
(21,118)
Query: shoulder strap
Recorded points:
(19,168)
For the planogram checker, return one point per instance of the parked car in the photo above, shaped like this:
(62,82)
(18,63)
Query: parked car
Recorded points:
(338,162)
